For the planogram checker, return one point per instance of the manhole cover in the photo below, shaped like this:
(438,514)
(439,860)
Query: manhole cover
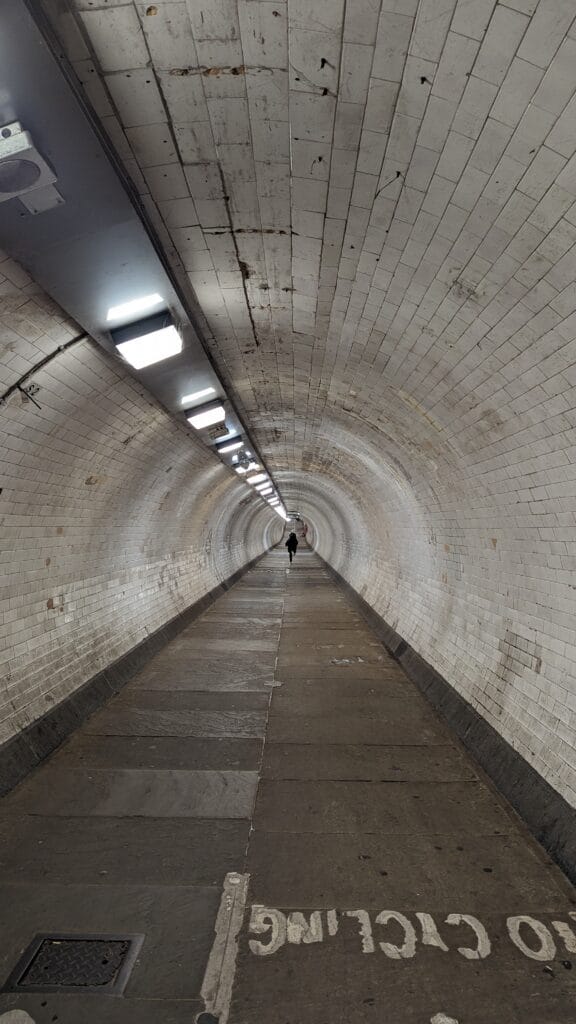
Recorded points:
(93,963)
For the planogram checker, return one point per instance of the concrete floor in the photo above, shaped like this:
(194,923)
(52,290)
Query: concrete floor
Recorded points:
(275,738)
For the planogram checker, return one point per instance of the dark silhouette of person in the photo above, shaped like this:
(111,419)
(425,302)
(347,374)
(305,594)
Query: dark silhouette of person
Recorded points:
(292,544)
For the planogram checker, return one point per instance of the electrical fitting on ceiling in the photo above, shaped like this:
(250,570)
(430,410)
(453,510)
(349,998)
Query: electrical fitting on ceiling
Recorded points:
(94,250)
(156,338)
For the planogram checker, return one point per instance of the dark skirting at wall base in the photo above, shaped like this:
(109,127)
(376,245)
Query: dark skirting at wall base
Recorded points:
(26,750)
(546,813)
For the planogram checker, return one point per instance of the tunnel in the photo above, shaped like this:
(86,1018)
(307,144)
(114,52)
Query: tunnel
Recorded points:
(274,268)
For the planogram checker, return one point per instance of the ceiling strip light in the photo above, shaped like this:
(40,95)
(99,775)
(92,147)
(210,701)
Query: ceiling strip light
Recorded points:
(148,341)
(206,416)
(151,348)
(205,393)
(134,306)
(230,447)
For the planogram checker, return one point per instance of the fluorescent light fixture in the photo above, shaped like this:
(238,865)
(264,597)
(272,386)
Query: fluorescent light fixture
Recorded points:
(261,487)
(134,306)
(196,395)
(274,501)
(267,490)
(258,478)
(230,447)
(206,416)
(151,348)
(148,341)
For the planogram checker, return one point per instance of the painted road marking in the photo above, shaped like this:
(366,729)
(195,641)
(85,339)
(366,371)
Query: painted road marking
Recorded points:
(15,1017)
(216,988)
(538,941)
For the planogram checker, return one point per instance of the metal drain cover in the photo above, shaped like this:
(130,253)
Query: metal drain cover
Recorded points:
(68,963)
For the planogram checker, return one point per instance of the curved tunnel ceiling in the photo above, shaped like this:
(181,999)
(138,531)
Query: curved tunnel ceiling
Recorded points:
(91,245)
(374,205)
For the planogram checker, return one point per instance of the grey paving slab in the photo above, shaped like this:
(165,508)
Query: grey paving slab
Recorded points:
(190,700)
(345,674)
(365,802)
(249,613)
(215,630)
(334,982)
(198,665)
(268,613)
(329,654)
(301,580)
(301,616)
(93,1009)
(327,619)
(236,620)
(304,641)
(361,696)
(310,585)
(310,604)
(307,584)
(128,792)
(176,657)
(205,674)
(85,750)
(194,658)
(195,643)
(324,656)
(339,669)
(323,604)
(318,636)
(38,849)
(259,590)
(496,874)
(177,922)
(151,722)
(272,587)
(362,762)
(388,808)
(261,602)
(322,653)
(412,724)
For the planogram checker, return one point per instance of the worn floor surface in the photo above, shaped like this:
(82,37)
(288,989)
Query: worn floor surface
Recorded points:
(274,737)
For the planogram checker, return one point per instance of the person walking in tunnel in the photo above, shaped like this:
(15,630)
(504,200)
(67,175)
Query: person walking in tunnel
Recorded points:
(292,544)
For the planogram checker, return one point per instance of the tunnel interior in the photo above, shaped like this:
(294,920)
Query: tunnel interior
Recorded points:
(115,519)
(357,218)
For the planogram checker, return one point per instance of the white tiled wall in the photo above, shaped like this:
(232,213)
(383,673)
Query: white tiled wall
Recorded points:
(466,545)
(393,299)
(112,517)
